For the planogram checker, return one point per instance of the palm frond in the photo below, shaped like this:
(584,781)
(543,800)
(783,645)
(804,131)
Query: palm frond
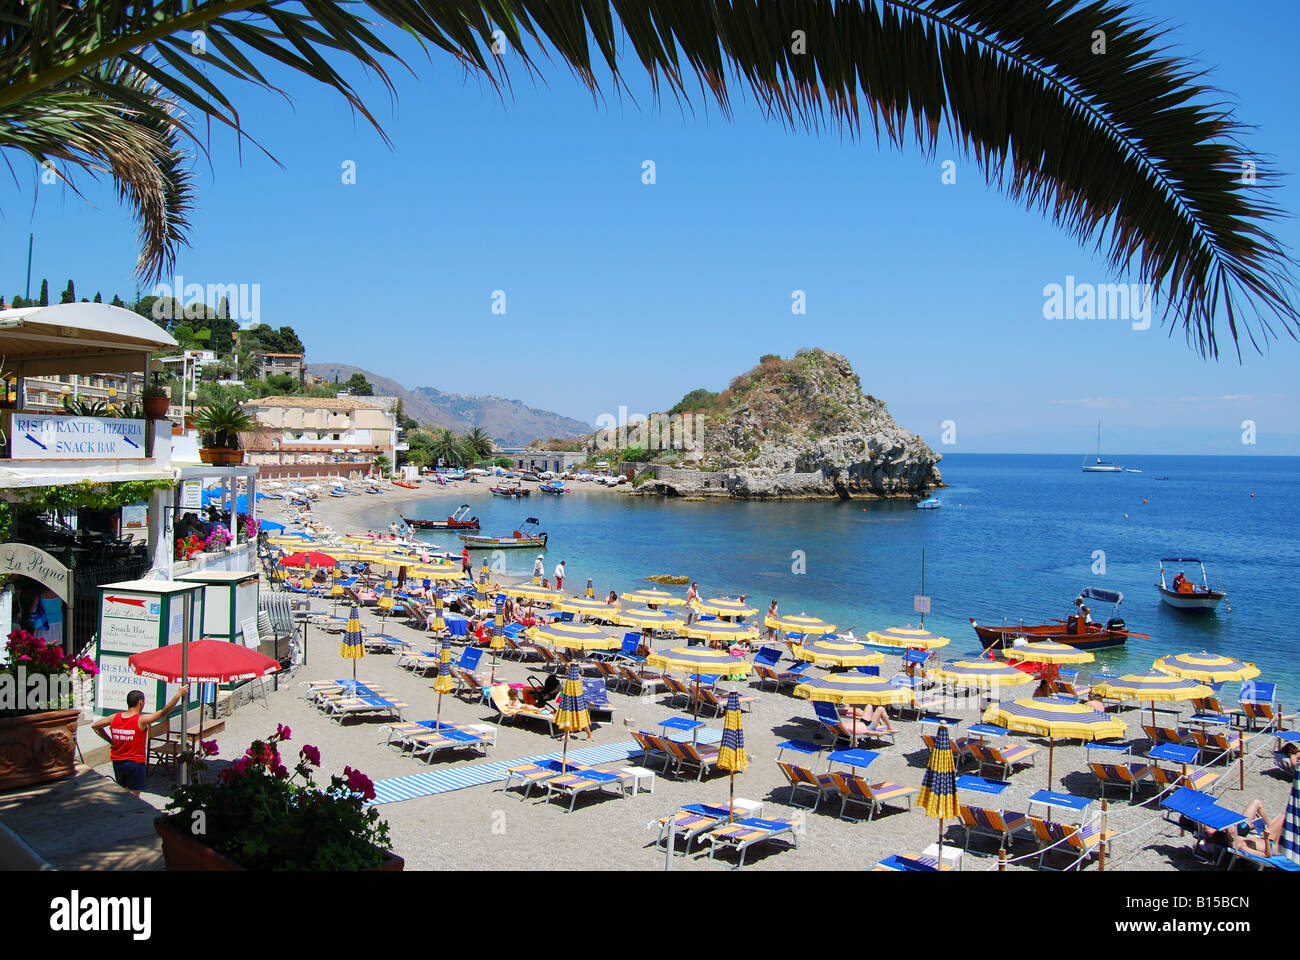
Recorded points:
(1128,150)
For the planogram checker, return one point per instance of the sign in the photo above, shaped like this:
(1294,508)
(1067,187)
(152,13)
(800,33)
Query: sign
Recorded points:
(130,624)
(40,437)
(921,604)
(33,562)
(116,680)
(135,516)
(191,494)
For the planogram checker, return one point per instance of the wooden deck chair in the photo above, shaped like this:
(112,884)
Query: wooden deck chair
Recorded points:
(1130,775)
(718,704)
(1066,839)
(1195,779)
(801,778)
(1179,736)
(637,680)
(743,834)
(652,748)
(1005,826)
(874,796)
(1003,758)
(703,759)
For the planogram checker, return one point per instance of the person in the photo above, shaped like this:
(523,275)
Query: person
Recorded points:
(870,717)
(772,614)
(692,598)
(538,569)
(465,565)
(1083,619)
(559,575)
(128,735)
(508,611)
(320,576)
(612,599)
(1239,837)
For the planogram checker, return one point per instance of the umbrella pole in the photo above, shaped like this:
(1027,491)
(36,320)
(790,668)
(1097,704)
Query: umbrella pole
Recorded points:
(564,752)
(185,673)
(940,854)
(731,805)
(1051,750)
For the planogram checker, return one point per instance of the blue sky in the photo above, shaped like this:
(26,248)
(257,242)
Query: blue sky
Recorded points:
(620,293)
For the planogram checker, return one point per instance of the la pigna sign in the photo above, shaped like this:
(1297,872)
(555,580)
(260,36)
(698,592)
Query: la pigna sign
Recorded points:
(35,437)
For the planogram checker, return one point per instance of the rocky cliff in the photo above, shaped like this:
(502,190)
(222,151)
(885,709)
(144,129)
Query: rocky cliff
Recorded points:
(798,428)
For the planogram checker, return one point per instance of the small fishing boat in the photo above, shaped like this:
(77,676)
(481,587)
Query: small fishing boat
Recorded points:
(460,520)
(502,491)
(929,503)
(528,535)
(558,489)
(407,484)
(1183,593)
(1092,636)
(1101,466)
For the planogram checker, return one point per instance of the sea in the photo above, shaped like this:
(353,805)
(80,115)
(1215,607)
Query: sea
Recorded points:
(1015,540)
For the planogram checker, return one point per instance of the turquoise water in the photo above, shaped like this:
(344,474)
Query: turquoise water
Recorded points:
(1015,538)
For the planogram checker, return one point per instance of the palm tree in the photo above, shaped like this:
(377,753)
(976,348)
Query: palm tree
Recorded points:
(478,445)
(1123,146)
(446,446)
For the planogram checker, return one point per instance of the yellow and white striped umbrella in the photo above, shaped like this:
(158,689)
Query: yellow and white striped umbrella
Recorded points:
(1048,651)
(649,619)
(658,598)
(526,591)
(981,673)
(721,630)
(907,637)
(699,660)
(725,607)
(851,688)
(574,636)
(436,572)
(838,653)
(1207,667)
(590,608)
(799,623)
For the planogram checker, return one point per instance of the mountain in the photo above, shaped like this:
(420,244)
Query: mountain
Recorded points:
(796,428)
(510,422)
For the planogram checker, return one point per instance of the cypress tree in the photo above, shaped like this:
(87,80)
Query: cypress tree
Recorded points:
(98,298)
(70,294)
(45,293)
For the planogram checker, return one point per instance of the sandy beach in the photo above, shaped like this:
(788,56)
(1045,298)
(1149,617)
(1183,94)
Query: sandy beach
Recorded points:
(480,827)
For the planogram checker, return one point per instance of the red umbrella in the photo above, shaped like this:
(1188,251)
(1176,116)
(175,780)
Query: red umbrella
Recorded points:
(209,661)
(312,558)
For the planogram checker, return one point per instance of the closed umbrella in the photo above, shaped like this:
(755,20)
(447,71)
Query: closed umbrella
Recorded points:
(590,591)
(443,682)
(354,644)
(1054,717)
(938,796)
(1290,840)
(385,604)
(731,756)
(573,714)
(439,625)
(484,575)
(336,592)
(838,653)
(496,644)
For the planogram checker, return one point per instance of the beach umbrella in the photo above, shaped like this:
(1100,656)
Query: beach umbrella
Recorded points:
(439,625)
(838,653)
(590,608)
(354,644)
(1054,717)
(1152,687)
(312,558)
(848,688)
(1207,667)
(721,630)
(484,575)
(799,623)
(496,644)
(336,591)
(574,636)
(725,607)
(1290,839)
(649,619)
(526,591)
(481,602)
(573,714)
(938,796)
(698,660)
(653,598)
(591,590)
(436,572)
(981,673)
(444,682)
(384,603)
(731,756)
(917,638)
(1050,654)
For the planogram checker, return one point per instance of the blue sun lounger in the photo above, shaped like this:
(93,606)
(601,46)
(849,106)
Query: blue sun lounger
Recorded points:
(1199,812)
(743,834)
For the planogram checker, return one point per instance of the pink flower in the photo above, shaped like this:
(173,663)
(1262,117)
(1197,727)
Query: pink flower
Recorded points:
(208,747)
(283,732)
(310,754)
(358,782)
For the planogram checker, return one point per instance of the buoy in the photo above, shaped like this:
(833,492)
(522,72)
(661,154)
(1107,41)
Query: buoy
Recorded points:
(1144,499)
(1126,516)
(1252,494)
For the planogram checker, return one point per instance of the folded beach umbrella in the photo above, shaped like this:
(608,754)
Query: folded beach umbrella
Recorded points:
(336,591)
(1150,688)
(575,636)
(590,608)
(649,619)
(721,630)
(1054,717)
(484,575)
(1290,840)
(573,714)
(384,603)
(590,591)
(981,673)
(354,644)
(849,688)
(731,756)
(444,682)
(917,638)
(725,607)
(838,653)
(938,796)
(496,644)
(799,623)
(439,625)
(655,598)
(1207,667)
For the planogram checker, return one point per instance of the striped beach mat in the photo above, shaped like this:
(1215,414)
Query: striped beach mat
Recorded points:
(458,778)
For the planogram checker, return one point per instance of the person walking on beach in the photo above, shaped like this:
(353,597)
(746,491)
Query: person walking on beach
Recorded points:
(772,614)
(128,735)
(538,570)
(692,598)
(559,575)
(465,566)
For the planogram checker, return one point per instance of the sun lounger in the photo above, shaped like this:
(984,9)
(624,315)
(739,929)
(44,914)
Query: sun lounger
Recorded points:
(1003,825)
(961,748)
(767,671)
(364,706)
(1213,744)
(1196,779)
(703,759)
(597,697)
(427,744)
(506,712)
(718,704)
(529,774)
(1258,705)
(849,729)
(640,680)
(1200,813)
(803,778)
(610,673)
(677,690)
(1066,839)
(575,784)
(688,823)
(1179,736)
(383,643)
(1257,860)
(743,834)
(911,863)
(1003,758)
(874,796)
(398,732)
(1130,775)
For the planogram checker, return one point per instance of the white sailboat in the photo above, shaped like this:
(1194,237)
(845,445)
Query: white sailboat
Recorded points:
(1100,465)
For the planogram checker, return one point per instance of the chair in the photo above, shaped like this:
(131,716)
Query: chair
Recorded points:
(1215,744)
(530,774)
(704,759)
(1003,825)
(631,649)
(874,796)
(1130,775)
(653,746)
(1200,813)
(609,673)
(688,823)
(1196,779)
(718,704)
(1259,702)
(574,784)
(597,697)
(677,689)
(643,680)
(801,777)
(427,744)
(743,834)
(163,746)
(1179,736)
(1003,758)
(961,748)
(911,863)
(398,732)
(1065,686)
(343,707)
(1078,843)
(765,666)
(469,683)
(506,711)
(1257,860)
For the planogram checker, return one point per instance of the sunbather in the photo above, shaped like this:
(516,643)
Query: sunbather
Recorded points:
(872,717)
(1270,831)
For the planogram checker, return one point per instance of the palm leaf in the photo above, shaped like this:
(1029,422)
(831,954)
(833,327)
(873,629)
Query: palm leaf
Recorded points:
(1129,151)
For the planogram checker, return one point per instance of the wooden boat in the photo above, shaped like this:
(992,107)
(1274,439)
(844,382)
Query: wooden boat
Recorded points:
(1093,636)
(1183,593)
(528,535)
(460,520)
(509,491)
(407,484)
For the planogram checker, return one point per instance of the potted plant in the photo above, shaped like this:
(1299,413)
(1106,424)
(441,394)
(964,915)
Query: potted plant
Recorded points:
(260,815)
(155,400)
(220,424)
(38,725)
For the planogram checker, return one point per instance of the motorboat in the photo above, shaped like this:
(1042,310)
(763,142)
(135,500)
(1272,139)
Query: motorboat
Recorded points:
(1183,593)
(1088,636)
(929,503)
(460,520)
(528,535)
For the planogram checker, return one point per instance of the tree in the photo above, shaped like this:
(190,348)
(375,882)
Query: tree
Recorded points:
(98,298)
(1131,153)
(697,399)
(446,446)
(382,464)
(45,293)
(117,301)
(359,386)
(478,445)
(69,294)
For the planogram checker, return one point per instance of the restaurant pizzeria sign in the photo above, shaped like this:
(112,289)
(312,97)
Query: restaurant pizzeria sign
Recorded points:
(35,437)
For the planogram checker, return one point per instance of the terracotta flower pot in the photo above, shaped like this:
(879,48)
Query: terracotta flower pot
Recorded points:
(221,456)
(37,748)
(155,408)
(184,851)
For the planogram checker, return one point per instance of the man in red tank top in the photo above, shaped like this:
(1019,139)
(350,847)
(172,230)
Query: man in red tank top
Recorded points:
(128,733)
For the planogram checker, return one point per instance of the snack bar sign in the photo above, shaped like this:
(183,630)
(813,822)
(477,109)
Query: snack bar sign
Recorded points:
(37,437)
